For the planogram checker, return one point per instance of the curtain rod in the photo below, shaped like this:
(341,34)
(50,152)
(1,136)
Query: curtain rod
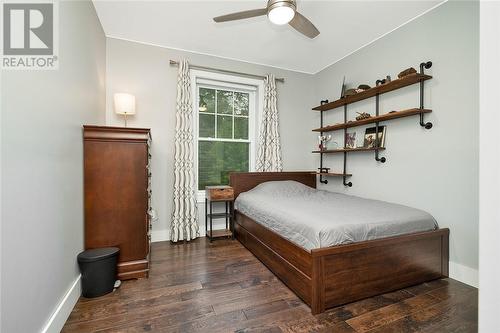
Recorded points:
(176,63)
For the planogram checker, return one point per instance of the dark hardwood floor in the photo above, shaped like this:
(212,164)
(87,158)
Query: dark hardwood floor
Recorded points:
(222,287)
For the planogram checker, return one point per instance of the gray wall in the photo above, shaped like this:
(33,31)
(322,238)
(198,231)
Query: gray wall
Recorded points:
(42,168)
(144,71)
(434,170)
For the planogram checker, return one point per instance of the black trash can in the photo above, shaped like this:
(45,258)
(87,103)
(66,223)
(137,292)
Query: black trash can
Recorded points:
(98,268)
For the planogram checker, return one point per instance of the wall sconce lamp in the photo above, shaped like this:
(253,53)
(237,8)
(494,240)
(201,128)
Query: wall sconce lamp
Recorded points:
(124,105)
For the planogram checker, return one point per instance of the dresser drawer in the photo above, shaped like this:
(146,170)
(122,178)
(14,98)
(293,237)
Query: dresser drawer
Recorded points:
(219,193)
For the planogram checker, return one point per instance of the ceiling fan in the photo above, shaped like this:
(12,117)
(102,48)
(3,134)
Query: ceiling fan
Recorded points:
(279,12)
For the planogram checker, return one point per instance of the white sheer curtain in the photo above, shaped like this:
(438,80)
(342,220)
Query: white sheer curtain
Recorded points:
(269,152)
(184,225)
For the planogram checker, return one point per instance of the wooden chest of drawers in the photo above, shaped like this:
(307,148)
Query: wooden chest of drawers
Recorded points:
(116,172)
(219,193)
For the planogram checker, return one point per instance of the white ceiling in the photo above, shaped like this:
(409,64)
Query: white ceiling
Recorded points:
(345,26)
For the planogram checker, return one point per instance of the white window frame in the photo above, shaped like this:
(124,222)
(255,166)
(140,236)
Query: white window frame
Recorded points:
(231,82)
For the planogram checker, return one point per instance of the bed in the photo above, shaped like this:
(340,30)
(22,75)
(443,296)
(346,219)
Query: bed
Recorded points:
(369,252)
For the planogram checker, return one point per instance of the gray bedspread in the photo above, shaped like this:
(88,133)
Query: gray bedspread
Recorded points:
(313,218)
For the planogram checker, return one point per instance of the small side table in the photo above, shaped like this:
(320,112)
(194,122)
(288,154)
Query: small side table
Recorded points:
(224,194)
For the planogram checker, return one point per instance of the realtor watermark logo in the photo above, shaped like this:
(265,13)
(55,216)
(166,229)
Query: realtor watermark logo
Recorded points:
(30,35)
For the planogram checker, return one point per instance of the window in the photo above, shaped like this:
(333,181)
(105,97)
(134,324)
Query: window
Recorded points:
(225,127)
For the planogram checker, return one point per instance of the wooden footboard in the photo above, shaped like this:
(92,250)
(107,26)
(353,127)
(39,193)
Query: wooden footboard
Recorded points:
(347,273)
(332,276)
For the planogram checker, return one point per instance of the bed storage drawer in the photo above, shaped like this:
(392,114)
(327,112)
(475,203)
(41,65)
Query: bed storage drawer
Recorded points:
(286,272)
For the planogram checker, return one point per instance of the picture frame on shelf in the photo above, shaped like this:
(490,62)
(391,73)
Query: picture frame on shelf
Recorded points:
(371,140)
(342,90)
(350,140)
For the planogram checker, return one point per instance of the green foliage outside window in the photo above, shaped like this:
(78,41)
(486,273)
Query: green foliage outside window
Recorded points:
(207,100)
(207,126)
(224,102)
(224,127)
(241,104)
(223,115)
(241,128)
(216,159)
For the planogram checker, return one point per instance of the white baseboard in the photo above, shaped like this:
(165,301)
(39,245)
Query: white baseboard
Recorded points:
(160,235)
(64,308)
(464,274)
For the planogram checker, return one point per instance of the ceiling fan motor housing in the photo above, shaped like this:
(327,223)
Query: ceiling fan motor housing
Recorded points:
(271,4)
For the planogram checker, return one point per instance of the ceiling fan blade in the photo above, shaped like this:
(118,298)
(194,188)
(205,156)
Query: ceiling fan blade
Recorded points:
(241,15)
(303,25)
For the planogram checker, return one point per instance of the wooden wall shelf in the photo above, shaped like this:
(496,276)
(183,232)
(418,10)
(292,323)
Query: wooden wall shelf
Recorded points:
(376,91)
(342,150)
(383,88)
(383,117)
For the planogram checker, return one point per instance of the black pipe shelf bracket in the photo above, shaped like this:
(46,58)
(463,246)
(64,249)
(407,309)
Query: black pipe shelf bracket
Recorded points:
(321,169)
(377,111)
(349,184)
(424,65)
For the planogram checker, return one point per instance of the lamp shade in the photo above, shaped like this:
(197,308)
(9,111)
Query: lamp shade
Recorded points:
(124,103)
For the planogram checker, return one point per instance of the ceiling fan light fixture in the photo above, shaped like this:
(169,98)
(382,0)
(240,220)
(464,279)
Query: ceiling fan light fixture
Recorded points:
(281,12)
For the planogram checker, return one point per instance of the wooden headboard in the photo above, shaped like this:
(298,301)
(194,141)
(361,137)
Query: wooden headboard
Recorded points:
(245,181)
